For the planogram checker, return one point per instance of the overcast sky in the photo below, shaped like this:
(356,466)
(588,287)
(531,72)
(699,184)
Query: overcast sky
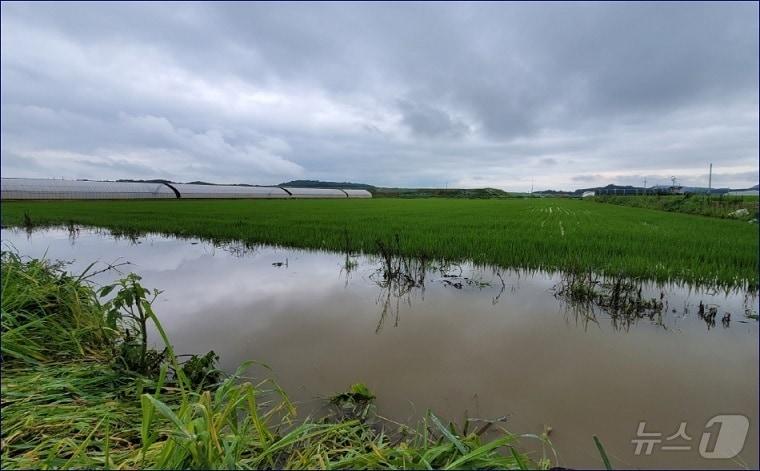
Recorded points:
(564,95)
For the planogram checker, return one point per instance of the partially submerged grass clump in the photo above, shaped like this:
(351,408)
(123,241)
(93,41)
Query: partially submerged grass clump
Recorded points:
(48,314)
(81,389)
(621,298)
(618,296)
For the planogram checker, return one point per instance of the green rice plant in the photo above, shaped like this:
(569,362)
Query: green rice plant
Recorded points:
(531,233)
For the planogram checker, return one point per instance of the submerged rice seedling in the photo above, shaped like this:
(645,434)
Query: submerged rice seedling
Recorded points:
(621,298)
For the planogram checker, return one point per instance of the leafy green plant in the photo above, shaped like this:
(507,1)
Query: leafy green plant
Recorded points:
(356,403)
(358,393)
(131,309)
(201,371)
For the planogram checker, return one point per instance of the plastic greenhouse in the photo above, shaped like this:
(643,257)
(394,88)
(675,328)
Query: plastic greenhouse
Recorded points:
(40,188)
(358,193)
(46,189)
(228,191)
(315,193)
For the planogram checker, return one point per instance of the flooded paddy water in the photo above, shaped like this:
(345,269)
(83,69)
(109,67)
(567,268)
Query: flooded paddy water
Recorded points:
(458,339)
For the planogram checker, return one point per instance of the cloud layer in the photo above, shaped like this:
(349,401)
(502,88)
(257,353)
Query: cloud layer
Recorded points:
(560,95)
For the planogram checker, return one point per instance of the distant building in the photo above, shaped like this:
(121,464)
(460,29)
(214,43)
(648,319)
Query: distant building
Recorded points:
(676,190)
(587,194)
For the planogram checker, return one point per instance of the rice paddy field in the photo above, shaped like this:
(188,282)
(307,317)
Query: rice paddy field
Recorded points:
(543,234)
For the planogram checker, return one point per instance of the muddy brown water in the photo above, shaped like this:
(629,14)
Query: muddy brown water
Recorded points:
(465,344)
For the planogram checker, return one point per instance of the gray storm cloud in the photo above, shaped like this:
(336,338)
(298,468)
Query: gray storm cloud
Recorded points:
(563,95)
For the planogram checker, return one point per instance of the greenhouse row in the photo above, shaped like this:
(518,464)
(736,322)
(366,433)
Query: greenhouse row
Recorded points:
(48,189)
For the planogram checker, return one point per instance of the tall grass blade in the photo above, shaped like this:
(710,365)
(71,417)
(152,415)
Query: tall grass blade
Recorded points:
(602,453)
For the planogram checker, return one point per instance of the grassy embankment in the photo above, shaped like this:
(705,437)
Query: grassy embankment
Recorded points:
(713,206)
(80,391)
(541,233)
(475,193)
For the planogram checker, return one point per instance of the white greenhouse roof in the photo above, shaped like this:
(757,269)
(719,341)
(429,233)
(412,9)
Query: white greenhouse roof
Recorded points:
(41,188)
(316,193)
(358,193)
(228,191)
(743,193)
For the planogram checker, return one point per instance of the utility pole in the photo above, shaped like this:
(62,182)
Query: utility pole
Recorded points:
(709,182)
(531,186)
(645,186)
